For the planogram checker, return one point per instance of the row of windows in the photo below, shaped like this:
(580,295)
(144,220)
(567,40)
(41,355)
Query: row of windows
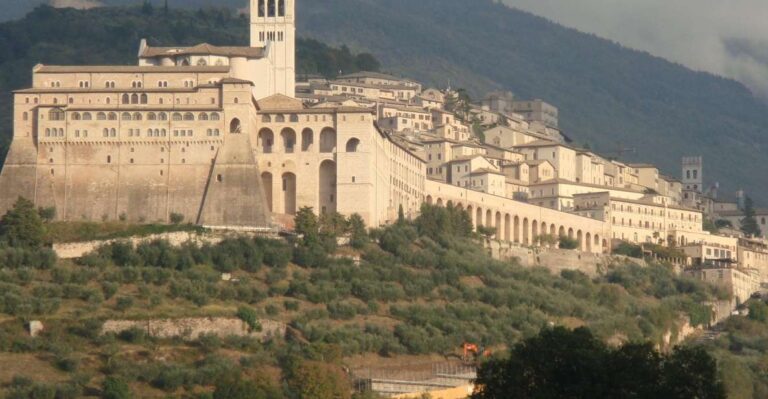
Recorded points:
(54,132)
(271,8)
(271,36)
(57,115)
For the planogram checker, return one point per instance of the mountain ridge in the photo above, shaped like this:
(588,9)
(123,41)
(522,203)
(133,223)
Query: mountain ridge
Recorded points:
(608,94)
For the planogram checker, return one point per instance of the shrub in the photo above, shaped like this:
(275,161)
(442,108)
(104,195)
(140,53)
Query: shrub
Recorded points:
(291,305)
(249,316)
(176,218)
(124,303)
(568,243)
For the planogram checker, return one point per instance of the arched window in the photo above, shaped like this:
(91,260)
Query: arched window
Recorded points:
(262,8)
(271,8)
(126,99)
(163,132)
(101,116)
(137,116)
(265,140)
(106,132)
(47,132)
(307,139)
(202,62)
(75,116)
(112,116)
(176,116)
(189,117)
(266,118)
(108,100)
(144,99)
(203,116)
(151,116)
(288,137)
(134,98)
(56,115)
(149,133)
(25,116)
(113,132)
(294,118)
(280,118)
(327,140)
(353,144)
(215,116)
(162,116)
(280,8)
(126,116)
(234,126)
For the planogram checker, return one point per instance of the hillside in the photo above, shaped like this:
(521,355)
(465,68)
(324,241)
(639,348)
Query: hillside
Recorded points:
(110,36)
(419,291)
(607,94)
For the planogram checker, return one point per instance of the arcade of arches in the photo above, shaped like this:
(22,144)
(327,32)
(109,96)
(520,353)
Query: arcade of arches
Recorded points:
(512,226)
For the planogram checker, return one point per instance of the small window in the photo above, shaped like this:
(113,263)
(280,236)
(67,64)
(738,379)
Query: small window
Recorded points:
(219,178)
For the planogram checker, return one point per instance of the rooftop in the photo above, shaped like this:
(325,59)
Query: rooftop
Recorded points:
(127,69)
(203,49)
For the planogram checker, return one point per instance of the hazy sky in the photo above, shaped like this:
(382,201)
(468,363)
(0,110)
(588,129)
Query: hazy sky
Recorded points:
(725,37)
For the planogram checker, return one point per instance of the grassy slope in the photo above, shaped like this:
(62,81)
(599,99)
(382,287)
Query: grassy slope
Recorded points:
(410,295)
(606,93)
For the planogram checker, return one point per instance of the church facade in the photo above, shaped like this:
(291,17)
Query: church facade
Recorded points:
(207,132)
(215,135)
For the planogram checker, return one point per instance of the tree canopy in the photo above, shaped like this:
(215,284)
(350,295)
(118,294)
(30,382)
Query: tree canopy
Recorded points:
(561,363)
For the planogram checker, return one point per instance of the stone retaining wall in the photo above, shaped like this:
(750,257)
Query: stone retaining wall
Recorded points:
(192,328)
(557,260)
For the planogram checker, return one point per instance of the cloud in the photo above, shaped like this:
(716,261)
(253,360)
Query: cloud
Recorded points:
(727,38)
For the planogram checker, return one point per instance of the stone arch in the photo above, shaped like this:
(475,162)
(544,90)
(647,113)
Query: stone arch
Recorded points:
(517,229)
(289,193)
(439,202)
(488,218)
(327,140)
(429,199)
(561,232)
(234,126)
(288,137)
(307,139)
(526,237)
(327,189)
(479,217)
(543,231)
(580,239)
(534,231)
(570,233)
(265,140)
(266,181)
(353,144)
(588,240)
(498,225)
(507,228)
(553,230)
(605,246)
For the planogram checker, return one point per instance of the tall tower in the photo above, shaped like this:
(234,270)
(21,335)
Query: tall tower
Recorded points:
(273,26)
(693,180)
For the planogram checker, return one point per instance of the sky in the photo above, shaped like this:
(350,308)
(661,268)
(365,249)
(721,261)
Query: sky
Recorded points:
(724,37)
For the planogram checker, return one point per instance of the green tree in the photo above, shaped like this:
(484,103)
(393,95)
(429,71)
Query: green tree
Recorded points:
(115,388)
(749,224)
(568,242)
(307,225)
(562,363)
(316,380)
(22,226)
(333,224)
(146,8)
(358,234)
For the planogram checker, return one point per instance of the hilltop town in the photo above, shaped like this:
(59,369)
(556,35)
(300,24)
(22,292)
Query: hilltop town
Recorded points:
(225,137)
(348,216)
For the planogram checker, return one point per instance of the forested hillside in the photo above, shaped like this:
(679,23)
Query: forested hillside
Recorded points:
(110,36)
(412,290)
(607,94)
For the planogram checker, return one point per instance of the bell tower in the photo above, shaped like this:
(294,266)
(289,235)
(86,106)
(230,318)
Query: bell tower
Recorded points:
(273,26)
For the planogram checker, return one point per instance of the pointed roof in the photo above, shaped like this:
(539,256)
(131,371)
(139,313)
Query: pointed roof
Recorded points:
(279,102)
